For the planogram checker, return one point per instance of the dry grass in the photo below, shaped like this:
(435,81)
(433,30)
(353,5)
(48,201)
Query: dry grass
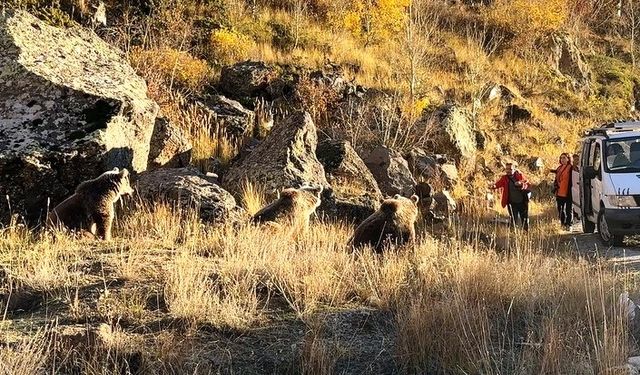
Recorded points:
(515,304)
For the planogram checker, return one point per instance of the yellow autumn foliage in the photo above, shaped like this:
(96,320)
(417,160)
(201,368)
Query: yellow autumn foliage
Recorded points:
(228,46)
(529,18)
(372,20)
(175,67)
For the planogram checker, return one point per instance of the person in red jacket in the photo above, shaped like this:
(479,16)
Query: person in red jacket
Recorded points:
(515,195)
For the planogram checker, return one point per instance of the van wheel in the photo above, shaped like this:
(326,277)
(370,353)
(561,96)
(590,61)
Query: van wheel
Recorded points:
(606,237)
(588,226)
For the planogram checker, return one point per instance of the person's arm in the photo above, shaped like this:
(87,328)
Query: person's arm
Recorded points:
(552,170)
(521,180)
(499,184)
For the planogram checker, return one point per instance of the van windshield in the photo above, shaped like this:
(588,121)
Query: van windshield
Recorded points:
(622,155)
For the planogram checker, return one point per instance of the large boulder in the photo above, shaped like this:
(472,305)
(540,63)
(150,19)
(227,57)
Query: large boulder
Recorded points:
(354,193)
(286,158)
(230,114)
(187,189)
(71,107)
(569,61)
(246,79)
(170,146)
(391,171)
(456,133)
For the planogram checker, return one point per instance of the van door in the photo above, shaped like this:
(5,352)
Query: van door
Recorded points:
(596,183)
(585,183)
(575,191)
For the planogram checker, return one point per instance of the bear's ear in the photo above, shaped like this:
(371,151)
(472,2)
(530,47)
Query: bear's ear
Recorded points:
(414,199)
(124,172)
(115,170)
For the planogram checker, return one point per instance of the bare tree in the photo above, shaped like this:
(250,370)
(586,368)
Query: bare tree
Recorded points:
(299,11)
(421,25)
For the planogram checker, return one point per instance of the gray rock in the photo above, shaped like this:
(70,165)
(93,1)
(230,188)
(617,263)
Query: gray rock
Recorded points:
(230,115)
(354,193)
(535,163)
(569,61)
(515,113)
(449,173)
(71,107)
(187,189)
(444,203)
(170,146)
(456,134)
(246,79)
(286,158)
(421,164)
(391,171)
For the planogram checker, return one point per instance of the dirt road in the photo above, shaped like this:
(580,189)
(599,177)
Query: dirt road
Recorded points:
(589,244)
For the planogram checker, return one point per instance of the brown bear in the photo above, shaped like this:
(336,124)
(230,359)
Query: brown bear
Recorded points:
(293,206)
(393,224)
(91,207)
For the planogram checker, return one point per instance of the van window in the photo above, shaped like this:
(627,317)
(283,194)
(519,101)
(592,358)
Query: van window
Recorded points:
(595,156)
(623,155)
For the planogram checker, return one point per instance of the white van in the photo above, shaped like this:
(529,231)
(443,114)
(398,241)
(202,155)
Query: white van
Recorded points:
(608,183)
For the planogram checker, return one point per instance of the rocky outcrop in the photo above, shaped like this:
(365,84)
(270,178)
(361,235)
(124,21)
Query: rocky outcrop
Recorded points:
(455,132)
(354,193)
(444,203)
(515,113)
(230,115)
(391,171)
(569,61)
(170,146)
(286,158)
(71,107)
(187,189)
(431,168)
(246,79)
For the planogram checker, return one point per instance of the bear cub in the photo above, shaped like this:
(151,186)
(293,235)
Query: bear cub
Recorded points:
(91,207)
(392,224)
(293,206)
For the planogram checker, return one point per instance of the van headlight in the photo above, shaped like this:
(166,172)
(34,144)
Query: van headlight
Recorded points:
(622,200)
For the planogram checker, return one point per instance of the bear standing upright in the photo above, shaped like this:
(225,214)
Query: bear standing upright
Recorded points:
(393,223)
(91,207)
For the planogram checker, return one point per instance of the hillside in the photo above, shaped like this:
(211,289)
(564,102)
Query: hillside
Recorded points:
(216,106)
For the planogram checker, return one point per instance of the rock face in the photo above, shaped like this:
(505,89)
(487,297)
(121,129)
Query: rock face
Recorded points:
(234,118)
(354,193)
(457,134)
(444,203)
(189,189)
(391,171)
(569,61)
(70,108)
(246,79)
(286,158)
(170,146)
(421,164)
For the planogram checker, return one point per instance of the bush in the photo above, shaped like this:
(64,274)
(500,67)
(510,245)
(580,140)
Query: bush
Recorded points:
(372,21)
(175,67)
(529,18)
(227,46)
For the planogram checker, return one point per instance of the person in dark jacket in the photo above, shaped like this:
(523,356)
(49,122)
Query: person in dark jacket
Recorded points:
(515,195)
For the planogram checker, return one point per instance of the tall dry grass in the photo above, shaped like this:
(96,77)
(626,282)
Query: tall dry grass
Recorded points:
(483,298)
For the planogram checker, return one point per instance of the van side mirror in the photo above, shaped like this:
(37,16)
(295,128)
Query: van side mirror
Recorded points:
(589,172)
